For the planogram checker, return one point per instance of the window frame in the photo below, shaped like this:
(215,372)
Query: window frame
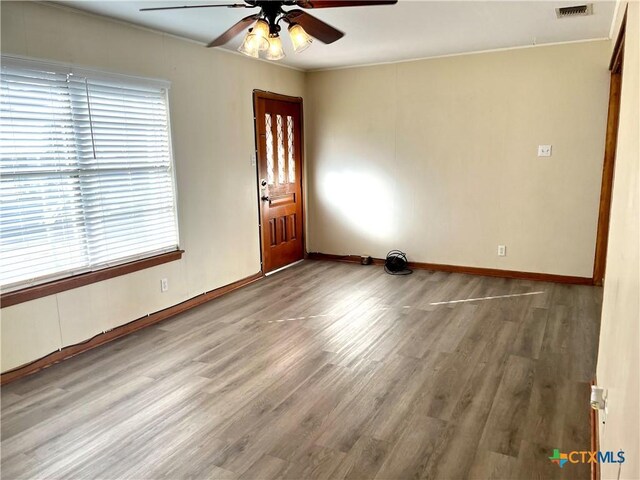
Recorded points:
(56,283)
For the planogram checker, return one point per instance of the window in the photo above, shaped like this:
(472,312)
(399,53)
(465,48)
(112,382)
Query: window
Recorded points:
(86,174)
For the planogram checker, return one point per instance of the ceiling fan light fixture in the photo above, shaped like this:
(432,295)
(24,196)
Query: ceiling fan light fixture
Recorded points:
(250,46)
(255,40)
(275,51)
(300,39)
(261,31)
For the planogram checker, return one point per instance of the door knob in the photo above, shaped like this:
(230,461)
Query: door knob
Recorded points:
(264,198)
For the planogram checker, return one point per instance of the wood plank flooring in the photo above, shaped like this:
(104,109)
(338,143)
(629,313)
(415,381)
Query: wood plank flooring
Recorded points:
(328,371)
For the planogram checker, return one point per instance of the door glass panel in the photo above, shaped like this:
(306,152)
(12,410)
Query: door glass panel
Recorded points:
(292,163)
(280,133)
(269,141)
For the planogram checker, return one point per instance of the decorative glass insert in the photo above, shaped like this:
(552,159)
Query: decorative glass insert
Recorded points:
(290,150)
(269,141)
(280,133)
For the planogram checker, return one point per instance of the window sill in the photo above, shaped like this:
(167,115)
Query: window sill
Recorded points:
(31,293)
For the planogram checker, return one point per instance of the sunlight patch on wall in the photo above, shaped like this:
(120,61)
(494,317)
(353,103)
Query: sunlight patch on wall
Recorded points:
(361,200)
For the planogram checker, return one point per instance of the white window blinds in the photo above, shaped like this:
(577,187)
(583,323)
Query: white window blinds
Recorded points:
(86,176)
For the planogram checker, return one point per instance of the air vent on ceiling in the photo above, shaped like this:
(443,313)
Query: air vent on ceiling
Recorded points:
(575,11)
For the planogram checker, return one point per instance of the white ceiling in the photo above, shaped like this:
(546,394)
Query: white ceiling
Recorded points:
(408,30)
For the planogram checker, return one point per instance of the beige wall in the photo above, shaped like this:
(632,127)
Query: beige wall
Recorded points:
(619,353)
(439,158)
(211,120)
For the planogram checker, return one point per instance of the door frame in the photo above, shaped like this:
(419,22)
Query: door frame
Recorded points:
(608,166)
(265,95)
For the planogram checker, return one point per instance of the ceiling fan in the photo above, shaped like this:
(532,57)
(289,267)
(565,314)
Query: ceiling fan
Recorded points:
(265,34)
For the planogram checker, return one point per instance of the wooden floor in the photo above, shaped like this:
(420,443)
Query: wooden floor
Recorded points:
(324,370)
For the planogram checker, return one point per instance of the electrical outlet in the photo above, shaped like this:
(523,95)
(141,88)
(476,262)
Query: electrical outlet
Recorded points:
(502,250)
(164,284)
(544,150)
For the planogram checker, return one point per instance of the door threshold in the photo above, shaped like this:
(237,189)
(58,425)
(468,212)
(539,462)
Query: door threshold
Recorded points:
(282,268)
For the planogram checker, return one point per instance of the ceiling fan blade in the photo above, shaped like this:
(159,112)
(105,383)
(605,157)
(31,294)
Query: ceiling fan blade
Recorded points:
(228,5)
(233,31)
(314,26)
(342,3)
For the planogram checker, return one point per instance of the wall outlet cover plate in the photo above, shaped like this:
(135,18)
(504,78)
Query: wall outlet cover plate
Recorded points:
(544,150)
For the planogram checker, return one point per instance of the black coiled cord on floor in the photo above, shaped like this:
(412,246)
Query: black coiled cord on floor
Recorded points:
(396,263)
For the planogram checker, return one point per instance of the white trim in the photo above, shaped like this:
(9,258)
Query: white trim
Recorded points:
(477,52)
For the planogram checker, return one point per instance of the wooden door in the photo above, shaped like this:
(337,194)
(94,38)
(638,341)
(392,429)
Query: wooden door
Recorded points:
(278,121)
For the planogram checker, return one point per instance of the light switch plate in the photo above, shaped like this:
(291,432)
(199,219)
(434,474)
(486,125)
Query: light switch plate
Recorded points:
(544,150)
